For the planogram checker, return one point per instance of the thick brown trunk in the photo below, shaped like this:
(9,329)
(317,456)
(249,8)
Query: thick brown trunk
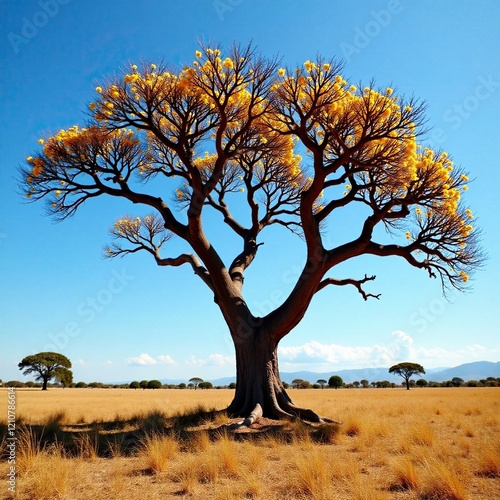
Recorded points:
(258,380)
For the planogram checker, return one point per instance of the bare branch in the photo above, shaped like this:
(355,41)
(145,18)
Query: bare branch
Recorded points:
(349,281)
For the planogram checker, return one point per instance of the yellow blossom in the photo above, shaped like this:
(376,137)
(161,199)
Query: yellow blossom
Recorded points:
(281,72)
(40,141)
(29,179)
(92,106)
(228,63)
(389,91)
(134,67)
(326,66)
(153,66)
(197,53)
(98,89)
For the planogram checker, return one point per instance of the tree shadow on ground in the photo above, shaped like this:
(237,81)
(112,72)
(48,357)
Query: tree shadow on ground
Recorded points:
(126,436)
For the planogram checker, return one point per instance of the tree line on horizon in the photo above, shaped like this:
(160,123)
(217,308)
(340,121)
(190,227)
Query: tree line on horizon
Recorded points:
(50,365)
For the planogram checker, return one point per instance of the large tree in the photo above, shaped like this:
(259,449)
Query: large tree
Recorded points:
(47,365)
(407,370)
(261,145)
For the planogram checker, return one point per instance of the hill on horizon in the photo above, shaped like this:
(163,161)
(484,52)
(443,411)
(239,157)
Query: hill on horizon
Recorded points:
(476,370)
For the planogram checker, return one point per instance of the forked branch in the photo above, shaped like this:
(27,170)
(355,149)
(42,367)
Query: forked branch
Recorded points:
(349,281)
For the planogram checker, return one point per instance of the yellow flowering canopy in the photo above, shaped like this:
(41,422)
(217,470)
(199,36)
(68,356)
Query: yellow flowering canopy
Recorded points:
(293,145)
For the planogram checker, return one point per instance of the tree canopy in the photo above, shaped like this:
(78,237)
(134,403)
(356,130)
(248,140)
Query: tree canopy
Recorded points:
(261,145)
(47,365)
(335,381)
(407,370)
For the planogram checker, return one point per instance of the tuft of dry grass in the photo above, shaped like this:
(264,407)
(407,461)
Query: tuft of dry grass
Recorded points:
(422,434)
(488,461)
(48,476)
(404,474)
(87,444)
(443,481)
(157,451)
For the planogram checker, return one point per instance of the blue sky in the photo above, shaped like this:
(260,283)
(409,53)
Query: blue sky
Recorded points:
(128,319)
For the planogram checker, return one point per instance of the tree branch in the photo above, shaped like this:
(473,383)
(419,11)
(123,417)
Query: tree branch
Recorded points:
(349,281)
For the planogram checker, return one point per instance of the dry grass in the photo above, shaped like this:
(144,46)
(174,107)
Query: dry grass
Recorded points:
(423,444)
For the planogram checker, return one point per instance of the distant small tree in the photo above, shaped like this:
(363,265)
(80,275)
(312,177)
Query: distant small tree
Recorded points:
(232,385)
(15,383)
(356,384)
(457,381)
(196,381)
(364,383)
(335,381)
(81,385)
(45,366)
(473,383)
(134,385)
(205,385)
(421,382)
(154,384)
(296,383)
(182,385)
(144,384)
(384,384)
(322,382)
(407,370)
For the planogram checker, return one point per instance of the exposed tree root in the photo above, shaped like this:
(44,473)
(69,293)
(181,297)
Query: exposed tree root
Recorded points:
(254,416)
(292,412)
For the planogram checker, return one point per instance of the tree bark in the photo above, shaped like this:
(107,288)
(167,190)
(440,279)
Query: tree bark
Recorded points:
(258,380)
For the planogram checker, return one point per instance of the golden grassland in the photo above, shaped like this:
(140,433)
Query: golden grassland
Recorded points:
(422,444)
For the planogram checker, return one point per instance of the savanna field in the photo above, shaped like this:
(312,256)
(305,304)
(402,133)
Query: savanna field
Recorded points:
(425,444)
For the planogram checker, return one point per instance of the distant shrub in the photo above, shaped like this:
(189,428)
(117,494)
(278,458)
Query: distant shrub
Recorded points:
(134,385)
(15,383)
(154,384)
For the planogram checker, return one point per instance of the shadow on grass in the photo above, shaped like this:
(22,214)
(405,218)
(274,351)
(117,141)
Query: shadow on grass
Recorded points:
(125,437)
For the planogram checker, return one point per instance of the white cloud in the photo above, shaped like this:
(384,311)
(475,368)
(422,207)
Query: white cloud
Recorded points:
(81,362)
(401,348)
(215,359)
(142,360)
(109,363)
(166,359)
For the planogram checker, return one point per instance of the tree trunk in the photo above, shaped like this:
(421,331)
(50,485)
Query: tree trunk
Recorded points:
(44,385)
(258,380)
